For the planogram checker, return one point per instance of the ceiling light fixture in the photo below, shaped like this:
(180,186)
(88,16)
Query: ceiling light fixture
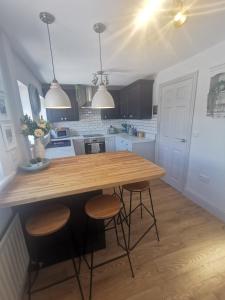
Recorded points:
(145,14)
(102,98)
(55,98)
(180,15)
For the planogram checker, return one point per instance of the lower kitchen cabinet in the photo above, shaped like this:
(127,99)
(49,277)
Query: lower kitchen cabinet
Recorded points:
(122,144)
(110,144)
(145,149)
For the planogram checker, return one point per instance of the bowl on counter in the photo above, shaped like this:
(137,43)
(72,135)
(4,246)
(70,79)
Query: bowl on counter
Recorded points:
(35,166)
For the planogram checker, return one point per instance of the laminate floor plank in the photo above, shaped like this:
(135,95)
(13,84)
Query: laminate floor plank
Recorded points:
(187,264)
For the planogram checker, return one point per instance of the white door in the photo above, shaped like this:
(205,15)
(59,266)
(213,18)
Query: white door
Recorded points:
(175,124)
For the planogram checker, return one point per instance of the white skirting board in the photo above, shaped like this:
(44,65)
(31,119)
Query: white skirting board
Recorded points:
(204,204)
(14,260)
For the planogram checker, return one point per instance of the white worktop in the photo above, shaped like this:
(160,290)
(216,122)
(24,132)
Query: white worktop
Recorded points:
(133,139)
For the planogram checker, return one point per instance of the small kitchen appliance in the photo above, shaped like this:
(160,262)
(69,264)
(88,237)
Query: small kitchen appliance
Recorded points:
(94,143)
(59,133)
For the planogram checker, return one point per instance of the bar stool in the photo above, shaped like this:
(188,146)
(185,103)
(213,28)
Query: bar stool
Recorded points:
(44,223)
(108,208)
(139,187)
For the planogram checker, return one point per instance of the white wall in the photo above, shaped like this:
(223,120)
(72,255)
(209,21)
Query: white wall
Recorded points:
(13,69)
(207,155)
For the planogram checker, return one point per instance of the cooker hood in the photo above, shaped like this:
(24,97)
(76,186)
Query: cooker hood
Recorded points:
(84,95)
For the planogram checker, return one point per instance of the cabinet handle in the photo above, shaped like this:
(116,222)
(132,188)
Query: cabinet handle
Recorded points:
(61,119)
(65,119)
(181,140)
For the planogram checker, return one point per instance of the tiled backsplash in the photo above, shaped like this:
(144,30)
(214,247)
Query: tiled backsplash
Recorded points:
(90,122)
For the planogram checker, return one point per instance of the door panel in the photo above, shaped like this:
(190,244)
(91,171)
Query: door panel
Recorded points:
(176,110)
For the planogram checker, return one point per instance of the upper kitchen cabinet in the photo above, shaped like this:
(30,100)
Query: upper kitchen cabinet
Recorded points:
(112,113)
(62,115)
(136,100)
(124,103)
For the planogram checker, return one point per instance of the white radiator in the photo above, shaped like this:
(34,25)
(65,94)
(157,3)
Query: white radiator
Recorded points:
(14,262)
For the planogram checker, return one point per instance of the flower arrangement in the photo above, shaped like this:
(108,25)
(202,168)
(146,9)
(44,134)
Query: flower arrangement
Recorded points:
(36,129)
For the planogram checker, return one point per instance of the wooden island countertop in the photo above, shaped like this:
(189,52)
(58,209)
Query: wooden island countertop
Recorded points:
(79,174)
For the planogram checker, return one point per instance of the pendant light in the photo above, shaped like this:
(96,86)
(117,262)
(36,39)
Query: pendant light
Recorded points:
(102,98)
(180,16)
(55,98)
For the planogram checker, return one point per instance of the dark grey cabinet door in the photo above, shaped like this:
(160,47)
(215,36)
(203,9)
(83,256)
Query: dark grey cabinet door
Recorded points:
(62,115)
(146,97)
(124,103)
(136,100)
(133,107)
(112,113)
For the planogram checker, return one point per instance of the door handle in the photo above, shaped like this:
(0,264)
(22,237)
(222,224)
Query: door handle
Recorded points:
(181,140)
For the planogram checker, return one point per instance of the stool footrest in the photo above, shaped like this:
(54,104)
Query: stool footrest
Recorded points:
(109,261)
(142,236)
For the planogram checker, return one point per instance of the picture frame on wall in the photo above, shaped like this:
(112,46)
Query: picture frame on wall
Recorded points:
(9,136)
(216,95)
(3,108)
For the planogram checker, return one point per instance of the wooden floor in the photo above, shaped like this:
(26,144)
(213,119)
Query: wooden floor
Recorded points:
(188,262)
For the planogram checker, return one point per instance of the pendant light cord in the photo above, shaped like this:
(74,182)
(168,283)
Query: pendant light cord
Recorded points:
(50,46)
(100,55)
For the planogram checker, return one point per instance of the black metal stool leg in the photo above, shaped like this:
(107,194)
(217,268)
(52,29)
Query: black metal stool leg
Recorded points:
(91,273)
(36,263)
(141,205)
(116,231)
(78,279)
(29,281)
(70,244)
(126,248)
(129,222)
(124,213)
(153,212)
(124,208)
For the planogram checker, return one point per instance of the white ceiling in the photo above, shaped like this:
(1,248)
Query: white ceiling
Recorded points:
(75,45)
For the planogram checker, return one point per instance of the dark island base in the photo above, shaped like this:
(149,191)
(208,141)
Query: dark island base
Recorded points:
(56,248)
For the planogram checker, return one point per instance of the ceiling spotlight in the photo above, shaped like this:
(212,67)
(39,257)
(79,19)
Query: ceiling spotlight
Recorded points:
(179,19)
(145,14)
(180,14)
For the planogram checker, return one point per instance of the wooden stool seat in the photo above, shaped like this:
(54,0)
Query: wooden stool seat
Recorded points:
(103,207)
(137,186)
(48,221)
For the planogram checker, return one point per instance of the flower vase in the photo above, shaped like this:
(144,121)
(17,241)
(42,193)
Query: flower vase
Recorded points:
(39,149)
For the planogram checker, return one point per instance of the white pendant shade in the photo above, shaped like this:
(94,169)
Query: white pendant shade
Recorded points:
(102,98)
(56,98)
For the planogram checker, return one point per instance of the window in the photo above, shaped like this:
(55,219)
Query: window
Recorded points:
(43,109)
(25,100)
(1,172)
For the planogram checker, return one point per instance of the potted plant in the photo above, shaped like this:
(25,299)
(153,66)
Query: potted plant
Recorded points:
(38,130)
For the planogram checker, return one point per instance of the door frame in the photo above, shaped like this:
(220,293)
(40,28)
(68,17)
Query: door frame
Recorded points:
(194,76)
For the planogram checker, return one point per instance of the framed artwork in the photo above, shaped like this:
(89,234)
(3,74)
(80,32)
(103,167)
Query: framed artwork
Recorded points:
(3,109)
(216,96)
(9,136)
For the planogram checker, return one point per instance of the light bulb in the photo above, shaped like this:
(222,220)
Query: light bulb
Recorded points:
(149,9)
(179,19)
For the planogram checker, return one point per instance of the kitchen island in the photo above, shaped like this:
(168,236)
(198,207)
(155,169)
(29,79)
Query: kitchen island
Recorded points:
(79,174)
(72,181)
